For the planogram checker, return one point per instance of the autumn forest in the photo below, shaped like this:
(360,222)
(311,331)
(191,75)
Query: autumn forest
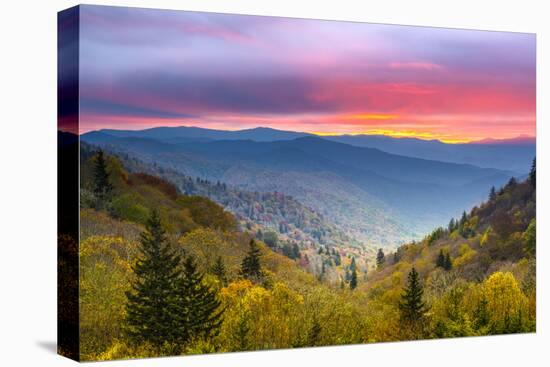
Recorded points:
(165,273)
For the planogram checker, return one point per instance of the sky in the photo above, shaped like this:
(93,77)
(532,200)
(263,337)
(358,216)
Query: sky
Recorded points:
(141,68)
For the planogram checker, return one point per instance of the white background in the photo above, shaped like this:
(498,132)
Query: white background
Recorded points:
(28,182)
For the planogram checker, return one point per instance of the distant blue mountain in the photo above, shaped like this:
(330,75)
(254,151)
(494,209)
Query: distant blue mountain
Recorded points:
(510,155)
(364,190)
(190,132)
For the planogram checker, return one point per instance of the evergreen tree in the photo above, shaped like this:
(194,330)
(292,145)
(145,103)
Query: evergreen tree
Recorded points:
(337,259)
(352,266)
(448,264)
(250,267)
(452,225)
(492,194)
(102,187)
(533,173)
(152,304)
(242,334)
(463,229)
(199,309)
(481,314)
(353,280)
(440,262)
(295,251)
(218,269)
(380,258)
(463,220)
(412,307)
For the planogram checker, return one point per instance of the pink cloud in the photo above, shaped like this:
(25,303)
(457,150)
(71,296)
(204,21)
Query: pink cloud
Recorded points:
(415,66)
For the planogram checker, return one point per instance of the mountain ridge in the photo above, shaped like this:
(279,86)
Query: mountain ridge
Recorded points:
(513,154)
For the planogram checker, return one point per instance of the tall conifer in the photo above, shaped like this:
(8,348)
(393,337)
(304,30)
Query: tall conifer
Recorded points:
(353,280)
(199,309)
(447,264)
(412,307)
(440,262)
(152,304)
(380,258)
(218,269)
(250,267)
(102,186)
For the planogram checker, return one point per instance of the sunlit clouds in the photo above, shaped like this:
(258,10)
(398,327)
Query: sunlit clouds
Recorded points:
(150,68)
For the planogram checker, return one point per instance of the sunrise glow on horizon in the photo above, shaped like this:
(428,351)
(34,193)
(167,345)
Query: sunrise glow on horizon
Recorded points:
(147,68)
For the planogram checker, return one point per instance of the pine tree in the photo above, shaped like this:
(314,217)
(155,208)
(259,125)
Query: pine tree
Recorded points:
(463,219)
(352,266)
(452,225)
(440,262)
(411,307)
(481,314)
(152,304)
(199,309)
(102,187)
(242,334)
(448,264)
(337,259)
(295,251)
(533,173)
(353,280)
(464,232)
(218,269)
(250,267)
(492,194)
(380,258)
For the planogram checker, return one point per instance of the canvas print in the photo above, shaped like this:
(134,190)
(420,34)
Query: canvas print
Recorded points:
(238,183)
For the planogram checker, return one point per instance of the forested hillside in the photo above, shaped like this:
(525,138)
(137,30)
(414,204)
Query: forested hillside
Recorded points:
(258,212)
(479,273)
(164,272)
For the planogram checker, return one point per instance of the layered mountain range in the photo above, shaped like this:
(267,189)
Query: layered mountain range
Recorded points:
(358,183)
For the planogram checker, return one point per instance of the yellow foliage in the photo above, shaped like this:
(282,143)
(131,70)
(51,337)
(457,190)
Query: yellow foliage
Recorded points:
(259,318)
(466,254)
(454,235)
(206,245)
(104,278)
(504,297)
